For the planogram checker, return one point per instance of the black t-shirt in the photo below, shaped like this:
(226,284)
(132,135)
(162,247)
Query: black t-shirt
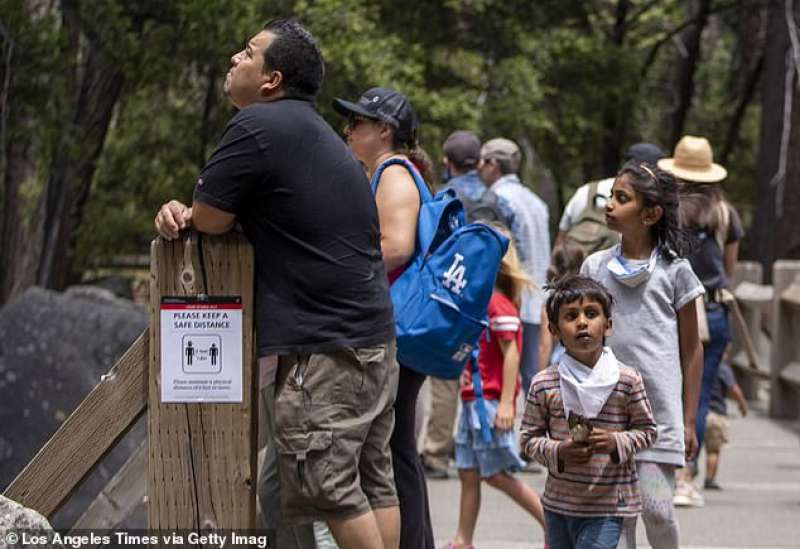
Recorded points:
(707,260)
(304,202)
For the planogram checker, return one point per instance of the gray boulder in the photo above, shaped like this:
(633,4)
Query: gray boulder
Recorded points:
(53,350)
(14,517)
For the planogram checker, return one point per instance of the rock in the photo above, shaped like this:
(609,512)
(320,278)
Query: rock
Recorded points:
(14,516)
(120,286)
(53,349)
(95,293)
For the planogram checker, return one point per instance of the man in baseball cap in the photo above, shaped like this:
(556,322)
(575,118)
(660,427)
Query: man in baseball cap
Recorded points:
(499,168)
(504,151)
(462,151)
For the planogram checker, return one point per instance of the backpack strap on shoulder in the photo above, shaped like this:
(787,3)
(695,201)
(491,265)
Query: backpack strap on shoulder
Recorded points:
(424,194)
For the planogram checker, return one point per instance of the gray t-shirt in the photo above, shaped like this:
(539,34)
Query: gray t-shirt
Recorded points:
(645,337)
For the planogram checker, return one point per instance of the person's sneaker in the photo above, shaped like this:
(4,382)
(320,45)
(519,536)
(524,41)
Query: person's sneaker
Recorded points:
(686,495)
(711,484)
(431,472)
(697,497)
(682,496)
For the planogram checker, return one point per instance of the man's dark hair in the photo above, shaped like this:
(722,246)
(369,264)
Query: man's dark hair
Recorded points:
(572,288)
(295,54)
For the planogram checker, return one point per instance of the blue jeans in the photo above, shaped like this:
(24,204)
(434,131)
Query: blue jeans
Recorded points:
(720,335)
(529,361)
(566,532)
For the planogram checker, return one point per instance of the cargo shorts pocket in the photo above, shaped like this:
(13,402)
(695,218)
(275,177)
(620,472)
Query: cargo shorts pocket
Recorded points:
(367,356)
(305,467)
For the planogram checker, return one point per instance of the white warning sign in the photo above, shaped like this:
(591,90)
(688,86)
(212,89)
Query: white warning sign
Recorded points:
(201,349)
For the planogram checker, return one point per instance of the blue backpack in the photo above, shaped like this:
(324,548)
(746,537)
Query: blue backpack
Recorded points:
(440,299)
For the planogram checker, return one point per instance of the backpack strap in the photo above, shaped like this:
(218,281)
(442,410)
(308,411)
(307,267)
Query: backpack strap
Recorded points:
(480,405)
(591,198)
(424,194)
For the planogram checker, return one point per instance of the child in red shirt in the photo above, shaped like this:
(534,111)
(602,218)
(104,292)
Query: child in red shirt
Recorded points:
(498,364)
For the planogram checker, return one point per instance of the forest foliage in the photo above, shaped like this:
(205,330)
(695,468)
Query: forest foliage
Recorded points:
(110,107)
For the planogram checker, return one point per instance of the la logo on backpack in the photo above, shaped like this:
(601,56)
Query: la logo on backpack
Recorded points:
(453,278)
(440,300)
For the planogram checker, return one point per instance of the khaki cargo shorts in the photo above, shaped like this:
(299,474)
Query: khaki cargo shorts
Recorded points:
(716,432)
(334,416)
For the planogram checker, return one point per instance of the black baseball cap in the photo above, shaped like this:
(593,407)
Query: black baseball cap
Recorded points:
(389,106)
(644,152)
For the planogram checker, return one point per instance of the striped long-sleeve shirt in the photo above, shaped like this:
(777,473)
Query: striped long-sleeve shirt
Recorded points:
(607,485)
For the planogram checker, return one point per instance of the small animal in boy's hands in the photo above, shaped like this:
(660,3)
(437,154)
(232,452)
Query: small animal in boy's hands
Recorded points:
(579,427)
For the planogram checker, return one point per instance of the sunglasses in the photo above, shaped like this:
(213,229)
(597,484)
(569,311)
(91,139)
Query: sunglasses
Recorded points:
(353,121)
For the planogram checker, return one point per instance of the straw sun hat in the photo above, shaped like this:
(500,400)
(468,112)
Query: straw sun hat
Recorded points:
(694,161)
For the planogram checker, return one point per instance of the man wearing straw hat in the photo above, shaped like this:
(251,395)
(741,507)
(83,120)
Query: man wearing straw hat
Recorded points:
(713,221)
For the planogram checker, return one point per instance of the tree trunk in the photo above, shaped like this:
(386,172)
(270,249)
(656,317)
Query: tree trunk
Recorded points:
(777,192)
(746,70)
(209,105)
(17,255)
(615,112)
(39,227)
(70,179)
(686,66)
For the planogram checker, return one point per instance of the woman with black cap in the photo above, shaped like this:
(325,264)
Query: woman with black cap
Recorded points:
(381,126)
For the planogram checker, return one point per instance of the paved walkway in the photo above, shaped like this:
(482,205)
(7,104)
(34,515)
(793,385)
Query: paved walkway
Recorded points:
(759,505)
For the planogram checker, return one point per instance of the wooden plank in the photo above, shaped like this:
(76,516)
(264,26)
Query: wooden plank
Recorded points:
(85,437)
(754,295)
(202,457)
(791,296)
(123,493)
(791,374)
(752,273)
(743,365)
(783,399)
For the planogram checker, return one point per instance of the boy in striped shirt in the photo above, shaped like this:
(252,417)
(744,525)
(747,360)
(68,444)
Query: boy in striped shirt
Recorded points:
(584,420)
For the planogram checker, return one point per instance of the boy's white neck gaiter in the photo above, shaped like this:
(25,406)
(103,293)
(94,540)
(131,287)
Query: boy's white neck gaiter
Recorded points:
(585,390)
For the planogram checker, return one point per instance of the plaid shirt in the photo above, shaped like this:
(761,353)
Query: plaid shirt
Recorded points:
(531,232)
(470,186)
(467,185)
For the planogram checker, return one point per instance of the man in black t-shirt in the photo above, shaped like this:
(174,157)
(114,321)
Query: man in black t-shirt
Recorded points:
(322,300)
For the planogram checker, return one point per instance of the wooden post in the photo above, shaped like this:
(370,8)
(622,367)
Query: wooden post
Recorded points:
(202,456)
(785,340)
(751,273)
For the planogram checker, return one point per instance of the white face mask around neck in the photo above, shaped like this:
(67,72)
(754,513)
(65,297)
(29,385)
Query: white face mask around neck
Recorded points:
(631,275)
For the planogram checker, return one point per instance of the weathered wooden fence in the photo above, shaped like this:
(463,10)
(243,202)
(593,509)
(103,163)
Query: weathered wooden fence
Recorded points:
(785,372)
(201,457)
(766,346)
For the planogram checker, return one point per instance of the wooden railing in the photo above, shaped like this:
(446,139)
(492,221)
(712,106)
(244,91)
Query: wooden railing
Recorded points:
(766,346)
(785,374)
(201,457)
(751,344)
